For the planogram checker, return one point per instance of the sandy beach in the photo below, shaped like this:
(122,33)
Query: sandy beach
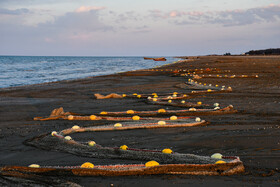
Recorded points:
(252,133)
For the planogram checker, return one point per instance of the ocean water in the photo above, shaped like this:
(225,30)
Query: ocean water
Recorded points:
(27,70)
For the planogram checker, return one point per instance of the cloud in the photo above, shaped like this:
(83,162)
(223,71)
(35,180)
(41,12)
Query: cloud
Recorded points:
(73,26)
(158,14)
(173,14)
(76,26)
(131,16)
(77,21)
(235,17)
(245,17)
(142,29)
(20,11)
(88,8)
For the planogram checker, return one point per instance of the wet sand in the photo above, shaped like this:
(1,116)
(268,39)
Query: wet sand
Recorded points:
(252,133)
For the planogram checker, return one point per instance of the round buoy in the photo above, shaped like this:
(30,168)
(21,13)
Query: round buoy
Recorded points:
(70,117)
(169,101)
(173,118)
(151,163)
(217,156)
(220,162)
(130,112)
(118,125)
(139,96)
(103,113)
(91,143)
(192,109)
(197,119)
(123,95)
(183,102)
(199,103)
(54,133)
(161,110)
(87,165)
(92,117)
(75,127)
(161,123)
(154,99)
(135,118)
(123,147)
(34,166)
(167,151)
(68,138)
(216,104)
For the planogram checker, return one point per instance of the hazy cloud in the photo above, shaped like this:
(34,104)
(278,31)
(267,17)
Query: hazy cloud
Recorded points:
(89,8)
(269,13)
(126,16)
(71,26)
(14,12)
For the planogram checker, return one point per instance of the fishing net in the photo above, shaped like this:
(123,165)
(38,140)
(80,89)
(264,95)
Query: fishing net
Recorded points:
(168,162)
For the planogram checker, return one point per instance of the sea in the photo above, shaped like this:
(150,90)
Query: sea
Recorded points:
(28,70)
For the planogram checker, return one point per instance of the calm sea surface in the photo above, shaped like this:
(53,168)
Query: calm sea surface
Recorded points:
(26,70)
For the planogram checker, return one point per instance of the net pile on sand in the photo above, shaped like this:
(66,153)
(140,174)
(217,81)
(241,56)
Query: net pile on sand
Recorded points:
(149,124)
(166,160)
(124,170)
(63,142)
(160,114)
(173,101)
(187,112)
(206,88)
(59,113)
(229,76)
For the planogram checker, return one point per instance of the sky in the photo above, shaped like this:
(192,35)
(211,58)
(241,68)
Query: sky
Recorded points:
(137,28)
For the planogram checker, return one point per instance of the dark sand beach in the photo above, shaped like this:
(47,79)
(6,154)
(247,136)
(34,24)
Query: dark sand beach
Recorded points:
(252,133)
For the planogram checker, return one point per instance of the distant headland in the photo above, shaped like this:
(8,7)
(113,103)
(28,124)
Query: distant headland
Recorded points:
(275,51)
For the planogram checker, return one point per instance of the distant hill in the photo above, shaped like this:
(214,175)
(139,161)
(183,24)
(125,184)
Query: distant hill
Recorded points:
(264,52)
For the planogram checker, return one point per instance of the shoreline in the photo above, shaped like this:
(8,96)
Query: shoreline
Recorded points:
(45,71)
(252,133)
(156,67)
